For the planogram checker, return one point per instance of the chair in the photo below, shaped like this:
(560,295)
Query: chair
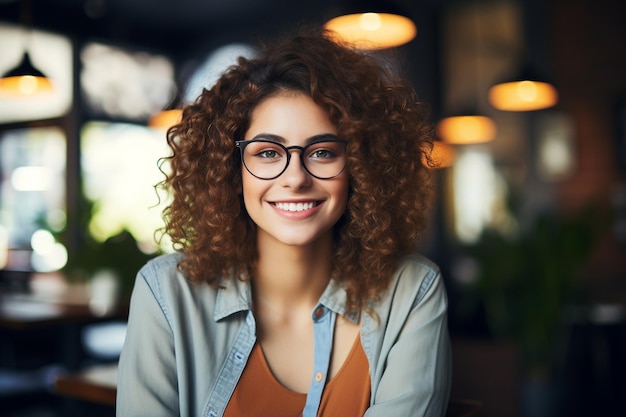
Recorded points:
(464,408)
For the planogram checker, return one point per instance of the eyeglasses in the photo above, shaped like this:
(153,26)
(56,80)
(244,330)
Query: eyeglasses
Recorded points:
(266,159)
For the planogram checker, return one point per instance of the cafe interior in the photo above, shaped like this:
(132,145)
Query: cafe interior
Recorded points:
(528,215)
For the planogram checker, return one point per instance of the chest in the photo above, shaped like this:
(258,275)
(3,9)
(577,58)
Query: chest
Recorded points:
(258,392)
(289,351)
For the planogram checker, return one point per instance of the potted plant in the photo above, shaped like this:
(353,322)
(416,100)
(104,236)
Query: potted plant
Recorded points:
(526,283)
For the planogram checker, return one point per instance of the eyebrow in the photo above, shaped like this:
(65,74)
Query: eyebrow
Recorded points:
(282,140)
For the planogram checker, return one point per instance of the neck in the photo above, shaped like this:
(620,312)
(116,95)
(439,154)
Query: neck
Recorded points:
(286,276)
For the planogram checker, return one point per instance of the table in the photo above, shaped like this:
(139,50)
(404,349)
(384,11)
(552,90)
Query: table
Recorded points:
(22,314)
(29,311)
(97,384)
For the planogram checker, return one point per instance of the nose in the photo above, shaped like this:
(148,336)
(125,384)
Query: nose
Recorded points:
(295,176)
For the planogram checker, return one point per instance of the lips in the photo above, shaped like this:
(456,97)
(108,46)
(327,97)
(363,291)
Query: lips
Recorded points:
(296,206)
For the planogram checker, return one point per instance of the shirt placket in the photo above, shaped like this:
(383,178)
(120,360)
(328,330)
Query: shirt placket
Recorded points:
(323,329)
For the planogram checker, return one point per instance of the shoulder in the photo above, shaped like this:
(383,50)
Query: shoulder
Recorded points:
(416,278)
(162,272)
(178,295)
(160,279)
(162,264)
(416,265)
(417,271)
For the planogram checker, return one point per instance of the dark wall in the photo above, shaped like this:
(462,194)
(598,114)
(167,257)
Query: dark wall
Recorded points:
(589,58)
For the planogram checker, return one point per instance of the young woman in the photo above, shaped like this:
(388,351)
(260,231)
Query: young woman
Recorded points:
(299,187)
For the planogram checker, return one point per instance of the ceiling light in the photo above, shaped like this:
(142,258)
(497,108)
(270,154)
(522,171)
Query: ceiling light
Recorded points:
(165,119)
(525,92)
(466,129)
(523,95)
(371,30)
(25,79)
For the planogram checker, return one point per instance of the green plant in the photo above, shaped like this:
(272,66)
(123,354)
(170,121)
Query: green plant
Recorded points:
(525,283)
(118,254)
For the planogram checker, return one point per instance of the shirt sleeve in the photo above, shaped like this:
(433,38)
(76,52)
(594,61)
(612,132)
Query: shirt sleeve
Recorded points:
(147,384)
(417,375)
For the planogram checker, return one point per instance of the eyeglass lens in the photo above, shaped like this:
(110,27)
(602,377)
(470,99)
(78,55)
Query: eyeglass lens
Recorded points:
(268,159)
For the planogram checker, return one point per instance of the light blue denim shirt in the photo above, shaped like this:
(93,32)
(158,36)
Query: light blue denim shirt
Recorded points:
(187,344)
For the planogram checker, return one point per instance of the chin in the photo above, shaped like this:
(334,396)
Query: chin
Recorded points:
(300,240)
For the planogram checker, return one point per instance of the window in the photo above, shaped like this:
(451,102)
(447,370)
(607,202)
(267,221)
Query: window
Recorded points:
(122,84)
(119,165)
(32,190)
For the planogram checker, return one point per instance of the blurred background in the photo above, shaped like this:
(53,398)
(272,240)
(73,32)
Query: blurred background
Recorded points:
(528,218)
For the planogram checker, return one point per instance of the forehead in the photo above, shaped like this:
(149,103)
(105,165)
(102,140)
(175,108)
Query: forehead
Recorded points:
(292,115)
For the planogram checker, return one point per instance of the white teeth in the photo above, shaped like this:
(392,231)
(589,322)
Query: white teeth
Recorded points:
(295,206)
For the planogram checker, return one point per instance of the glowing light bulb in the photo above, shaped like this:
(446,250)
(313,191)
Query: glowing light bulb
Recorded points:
(370,21)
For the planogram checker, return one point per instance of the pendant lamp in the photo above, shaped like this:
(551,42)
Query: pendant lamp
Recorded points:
(25,79)
(372,27)
(469,125)
(466,129)
(165,118)
(529,89)
(525,92)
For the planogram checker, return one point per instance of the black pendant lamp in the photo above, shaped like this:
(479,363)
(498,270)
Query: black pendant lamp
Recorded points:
(25,79)
(529,89)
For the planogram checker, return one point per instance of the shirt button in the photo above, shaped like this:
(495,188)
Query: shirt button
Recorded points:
(319,376)
(319,312)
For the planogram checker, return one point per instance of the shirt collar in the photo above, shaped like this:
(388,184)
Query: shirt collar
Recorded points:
(235,296)
(232,297)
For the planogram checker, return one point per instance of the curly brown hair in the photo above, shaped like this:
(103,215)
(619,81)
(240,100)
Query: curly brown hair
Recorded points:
(389,143)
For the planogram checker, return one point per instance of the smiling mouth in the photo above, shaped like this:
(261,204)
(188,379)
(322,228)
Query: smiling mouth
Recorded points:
(301,206)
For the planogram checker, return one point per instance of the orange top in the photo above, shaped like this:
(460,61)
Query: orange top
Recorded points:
(258,393)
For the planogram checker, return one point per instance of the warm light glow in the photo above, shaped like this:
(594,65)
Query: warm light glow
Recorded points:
(462,130)
(370,21)
(523,96)
(25,85)
(373,30)
(442,155)
(52,58)
(165,119)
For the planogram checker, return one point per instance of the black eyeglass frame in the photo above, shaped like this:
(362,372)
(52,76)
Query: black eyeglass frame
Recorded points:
(241,144)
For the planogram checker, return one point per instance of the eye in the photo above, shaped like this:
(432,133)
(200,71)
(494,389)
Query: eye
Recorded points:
(268,153)
(265,150)
(322,154)
(325,151)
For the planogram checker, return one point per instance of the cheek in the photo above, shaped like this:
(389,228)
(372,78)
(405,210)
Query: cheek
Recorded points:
(251,189)
(245,189)
(341,192)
